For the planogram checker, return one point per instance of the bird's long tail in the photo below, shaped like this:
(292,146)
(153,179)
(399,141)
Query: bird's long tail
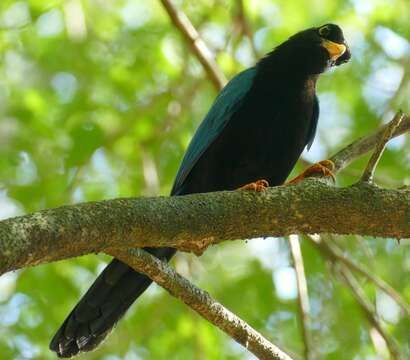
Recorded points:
(112,293)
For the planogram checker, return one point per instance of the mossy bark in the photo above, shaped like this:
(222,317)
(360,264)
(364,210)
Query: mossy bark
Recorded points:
(193,222)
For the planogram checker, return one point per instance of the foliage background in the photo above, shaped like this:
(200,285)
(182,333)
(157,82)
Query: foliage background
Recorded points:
(99,99)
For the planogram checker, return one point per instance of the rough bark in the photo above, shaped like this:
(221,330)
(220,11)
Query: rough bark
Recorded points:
(200,301)
(193,222)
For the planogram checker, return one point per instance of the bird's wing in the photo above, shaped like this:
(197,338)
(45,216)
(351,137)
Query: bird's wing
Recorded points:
(225,105)
(313,123)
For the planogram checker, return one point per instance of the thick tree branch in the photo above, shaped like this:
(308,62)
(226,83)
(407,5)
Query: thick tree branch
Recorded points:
(201,302)
(193,222)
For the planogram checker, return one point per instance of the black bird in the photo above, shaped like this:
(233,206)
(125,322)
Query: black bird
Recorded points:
(256,129)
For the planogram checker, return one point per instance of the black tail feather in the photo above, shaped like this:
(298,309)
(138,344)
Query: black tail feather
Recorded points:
(107,300)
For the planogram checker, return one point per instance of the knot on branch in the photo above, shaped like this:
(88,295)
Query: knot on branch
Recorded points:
(198,246)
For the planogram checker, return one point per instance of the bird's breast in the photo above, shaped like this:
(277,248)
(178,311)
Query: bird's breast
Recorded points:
(263,140)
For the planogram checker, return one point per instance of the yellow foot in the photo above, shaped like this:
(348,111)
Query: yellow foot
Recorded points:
(257,186)
(323,167)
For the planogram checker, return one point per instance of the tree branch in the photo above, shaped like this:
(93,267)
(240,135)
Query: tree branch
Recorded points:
(193,222)
(344,269)
(201,51)
(387,135)
(303,296)
(361,146)
(245,27)
(334,253)
(369,311)
(201,302)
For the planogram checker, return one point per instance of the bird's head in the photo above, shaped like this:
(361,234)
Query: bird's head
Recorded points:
(316,49)
(332,39)
(321,47)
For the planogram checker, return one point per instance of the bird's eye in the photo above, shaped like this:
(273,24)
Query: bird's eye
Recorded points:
(324,31)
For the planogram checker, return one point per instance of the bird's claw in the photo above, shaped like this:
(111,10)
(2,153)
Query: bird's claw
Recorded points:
(258,186)
(323,167)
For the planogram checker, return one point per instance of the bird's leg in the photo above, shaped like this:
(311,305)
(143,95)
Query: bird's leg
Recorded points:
(323,167)
(258,186)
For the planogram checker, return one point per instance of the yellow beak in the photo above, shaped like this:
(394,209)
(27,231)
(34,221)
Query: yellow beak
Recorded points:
(335,50)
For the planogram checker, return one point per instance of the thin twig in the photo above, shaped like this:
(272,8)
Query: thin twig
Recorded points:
(245,27)
(378,152)
(336,253)
(201,51)
(361,146)
(303,296)
(369,310)
(201,302)
(358,293)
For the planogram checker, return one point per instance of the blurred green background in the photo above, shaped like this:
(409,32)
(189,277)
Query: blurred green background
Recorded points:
(99,99)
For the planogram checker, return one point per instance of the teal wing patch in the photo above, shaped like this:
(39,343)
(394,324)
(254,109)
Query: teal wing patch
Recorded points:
(225,105)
